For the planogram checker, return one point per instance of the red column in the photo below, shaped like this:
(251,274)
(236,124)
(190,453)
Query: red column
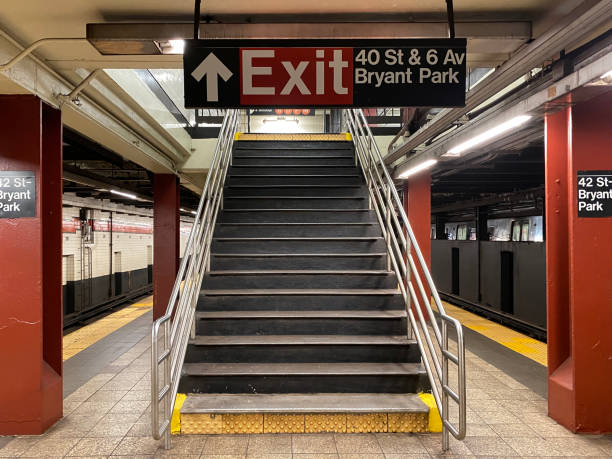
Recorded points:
(166,241)
(417,205)
(31,270)
(579,269)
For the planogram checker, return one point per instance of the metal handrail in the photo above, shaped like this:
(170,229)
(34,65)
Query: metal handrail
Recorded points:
(386,203)
(178,320)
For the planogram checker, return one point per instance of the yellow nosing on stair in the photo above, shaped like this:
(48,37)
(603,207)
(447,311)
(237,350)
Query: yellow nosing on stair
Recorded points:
(257,423)
(434,421)
(295,137)
(175,423)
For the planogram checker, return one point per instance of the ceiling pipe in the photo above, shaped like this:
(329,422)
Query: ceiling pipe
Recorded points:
(26,51)
(573,27)
(73,96)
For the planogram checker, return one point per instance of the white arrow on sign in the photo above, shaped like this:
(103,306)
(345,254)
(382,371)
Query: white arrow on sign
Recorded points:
(212,67)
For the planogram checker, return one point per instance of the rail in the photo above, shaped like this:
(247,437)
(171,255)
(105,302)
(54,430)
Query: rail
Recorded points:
(385,201)
(177,324)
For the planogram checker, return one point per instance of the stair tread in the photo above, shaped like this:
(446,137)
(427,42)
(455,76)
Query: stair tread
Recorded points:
(335,314)
(299,224)
(293,175)
(292,165)
(292,156)
(295,197)
(301,238)
(306,291)
(296,210)
(271,255)
(265,272)
(304,369)
(297,340)
(293,186)
(303,403)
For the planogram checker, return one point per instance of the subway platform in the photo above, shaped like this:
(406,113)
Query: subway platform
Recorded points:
(107,396)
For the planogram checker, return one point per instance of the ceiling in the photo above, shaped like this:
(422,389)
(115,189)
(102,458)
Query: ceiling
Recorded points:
(31,20)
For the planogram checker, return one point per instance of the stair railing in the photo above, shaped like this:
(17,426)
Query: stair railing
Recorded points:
(389,210)
(177,323)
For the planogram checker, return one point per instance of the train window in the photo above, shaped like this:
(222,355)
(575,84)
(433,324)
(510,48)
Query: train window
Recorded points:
(516,231)
(462,232)
(525,231)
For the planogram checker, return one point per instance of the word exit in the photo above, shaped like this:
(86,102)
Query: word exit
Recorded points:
(302,76)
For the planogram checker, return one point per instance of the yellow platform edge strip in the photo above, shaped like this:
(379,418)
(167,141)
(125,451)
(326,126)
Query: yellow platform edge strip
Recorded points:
(513,340)
(260,423)
(81,339)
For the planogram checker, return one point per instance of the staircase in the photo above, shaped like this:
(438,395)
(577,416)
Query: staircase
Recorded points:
(300,326)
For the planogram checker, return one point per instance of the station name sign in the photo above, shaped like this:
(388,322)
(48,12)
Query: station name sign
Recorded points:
(594,194)
(17,194)
(325,73)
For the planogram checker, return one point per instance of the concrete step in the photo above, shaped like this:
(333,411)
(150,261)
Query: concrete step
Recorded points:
(295,202)
(297,229)
(293,160)
(352,261)
(303,413)
(306,302)
(283,378)
(298,215)
(296,246)
(296,190)
(302,348)
(343,322)
(299,279)
(304,403)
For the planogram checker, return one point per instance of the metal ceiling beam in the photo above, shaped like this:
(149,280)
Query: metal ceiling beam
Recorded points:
(504,198)
(546,99)
(577,25)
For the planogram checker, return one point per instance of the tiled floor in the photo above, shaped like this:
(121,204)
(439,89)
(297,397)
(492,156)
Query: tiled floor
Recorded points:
(109,416)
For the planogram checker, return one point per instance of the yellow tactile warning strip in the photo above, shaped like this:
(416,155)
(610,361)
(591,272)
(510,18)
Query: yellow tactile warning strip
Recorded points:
(522,344)
(320,137)
(257,423)
(85,336)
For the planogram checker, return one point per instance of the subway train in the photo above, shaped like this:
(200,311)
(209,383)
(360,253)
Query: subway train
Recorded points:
(107,255)
(502,276)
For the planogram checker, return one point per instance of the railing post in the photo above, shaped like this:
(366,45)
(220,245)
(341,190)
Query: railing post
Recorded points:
(167,380)
(388,228)
(445,436)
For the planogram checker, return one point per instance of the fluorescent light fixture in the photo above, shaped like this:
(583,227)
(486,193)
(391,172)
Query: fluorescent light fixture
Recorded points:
(172,46)
(607,75)
(488,135)
(125,195)
(194,212)
(418,168)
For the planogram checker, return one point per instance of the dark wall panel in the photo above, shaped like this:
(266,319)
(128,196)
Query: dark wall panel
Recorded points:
(529,274)
(490,271)
(530,282)
(441,266)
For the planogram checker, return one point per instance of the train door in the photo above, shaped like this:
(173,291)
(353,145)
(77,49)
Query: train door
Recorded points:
(68,282)
(150,264)
(86,278)
(117,273)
